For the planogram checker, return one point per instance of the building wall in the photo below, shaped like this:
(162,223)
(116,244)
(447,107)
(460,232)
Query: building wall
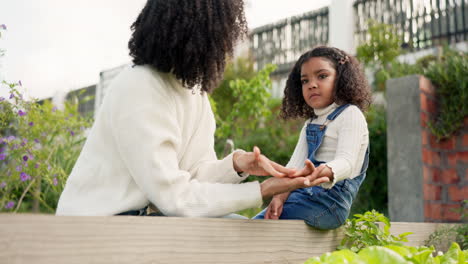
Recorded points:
(427,179)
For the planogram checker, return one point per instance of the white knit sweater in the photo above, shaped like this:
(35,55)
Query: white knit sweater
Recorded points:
(343,147)
(152,141)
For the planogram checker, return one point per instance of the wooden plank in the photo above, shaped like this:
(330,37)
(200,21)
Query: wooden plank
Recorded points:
(26,238)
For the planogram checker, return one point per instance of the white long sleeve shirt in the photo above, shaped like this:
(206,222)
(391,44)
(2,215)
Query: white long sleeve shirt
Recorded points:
(344,144)
(153,142)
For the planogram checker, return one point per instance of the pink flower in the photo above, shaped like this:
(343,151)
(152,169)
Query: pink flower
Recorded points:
(24,176)
(10,205)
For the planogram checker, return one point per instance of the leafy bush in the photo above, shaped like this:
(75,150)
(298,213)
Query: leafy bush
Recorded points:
(39,145)
(366,242)
(363,231)
(393,255)
(382,47)
(449,75)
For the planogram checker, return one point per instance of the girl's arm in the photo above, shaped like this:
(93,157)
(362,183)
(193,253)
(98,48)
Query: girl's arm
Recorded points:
(352,138)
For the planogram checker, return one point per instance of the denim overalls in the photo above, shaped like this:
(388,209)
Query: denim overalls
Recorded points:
(319,207)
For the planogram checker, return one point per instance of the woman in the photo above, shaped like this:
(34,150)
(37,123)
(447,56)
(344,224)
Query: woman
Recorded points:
(152,140)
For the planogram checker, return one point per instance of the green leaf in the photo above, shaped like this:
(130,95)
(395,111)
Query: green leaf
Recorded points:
(454,255)
(381,255)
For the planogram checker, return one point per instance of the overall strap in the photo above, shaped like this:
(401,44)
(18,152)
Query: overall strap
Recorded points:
(337,111)
(333,115)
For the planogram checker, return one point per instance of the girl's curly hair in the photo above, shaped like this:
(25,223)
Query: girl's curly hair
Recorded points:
(351,85)
(189,38)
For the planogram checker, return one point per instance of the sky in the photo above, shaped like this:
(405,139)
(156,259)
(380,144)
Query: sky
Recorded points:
(55,46)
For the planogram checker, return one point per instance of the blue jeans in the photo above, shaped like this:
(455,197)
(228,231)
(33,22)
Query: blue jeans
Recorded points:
(319,207)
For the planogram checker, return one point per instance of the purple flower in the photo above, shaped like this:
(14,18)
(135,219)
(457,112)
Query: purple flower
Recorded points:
(25,157)
(21,113)
(3,26)
(19,168)
(10,205)
(2,98)
(31,124)
(24,176)
(55,181)
(19,82)
(54,109)
(72,133)
(36,165)
(2,156)
(2,185)
(12,95)
(11,138)
(36,140)
(2,150)
(49,167)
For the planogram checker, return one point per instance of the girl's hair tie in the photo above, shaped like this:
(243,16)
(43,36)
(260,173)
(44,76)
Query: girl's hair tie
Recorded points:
(343,60)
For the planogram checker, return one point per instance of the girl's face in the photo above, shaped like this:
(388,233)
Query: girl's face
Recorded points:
(318,81)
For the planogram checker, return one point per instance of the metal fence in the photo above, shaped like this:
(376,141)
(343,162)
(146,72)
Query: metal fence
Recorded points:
(420,23)
(283,42)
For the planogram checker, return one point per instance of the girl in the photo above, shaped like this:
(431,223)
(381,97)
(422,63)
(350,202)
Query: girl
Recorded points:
(327,86)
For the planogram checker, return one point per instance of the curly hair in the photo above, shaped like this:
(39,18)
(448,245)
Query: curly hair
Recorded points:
(189,38)
(351,85)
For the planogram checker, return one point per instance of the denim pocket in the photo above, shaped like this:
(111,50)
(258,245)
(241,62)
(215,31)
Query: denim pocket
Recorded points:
(329,218)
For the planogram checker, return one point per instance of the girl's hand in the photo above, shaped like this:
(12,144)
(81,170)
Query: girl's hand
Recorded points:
(257,164)
(275,208)
(317,173)
(275,185)
(306,171)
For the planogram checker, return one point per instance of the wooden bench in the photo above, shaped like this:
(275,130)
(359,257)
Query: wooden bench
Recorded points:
(27,238)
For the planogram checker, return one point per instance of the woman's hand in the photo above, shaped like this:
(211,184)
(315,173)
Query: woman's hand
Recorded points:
(275,208)
(257,164)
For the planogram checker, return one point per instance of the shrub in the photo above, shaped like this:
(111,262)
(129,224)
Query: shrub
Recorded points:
(366,242)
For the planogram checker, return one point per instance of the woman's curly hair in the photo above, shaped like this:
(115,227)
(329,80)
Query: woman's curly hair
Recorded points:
(189,38)
(351,85)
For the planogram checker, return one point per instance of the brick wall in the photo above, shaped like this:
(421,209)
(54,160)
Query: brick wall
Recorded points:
(445,165)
